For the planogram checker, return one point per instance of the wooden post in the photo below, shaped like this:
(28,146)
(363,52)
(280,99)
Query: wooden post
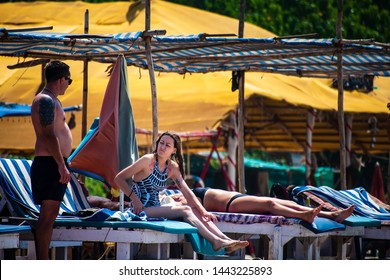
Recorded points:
(232,147)
(310,121)
(85,89)
(153,89)
(188,157)
(85,82)
(388,164)
(343,177)
(152,77)
(241,113)
(348,138)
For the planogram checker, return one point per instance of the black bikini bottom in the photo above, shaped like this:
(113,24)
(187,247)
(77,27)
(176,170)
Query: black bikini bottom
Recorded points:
(232,199)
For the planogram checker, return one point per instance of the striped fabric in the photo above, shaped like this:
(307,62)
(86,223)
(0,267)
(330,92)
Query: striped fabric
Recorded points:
(201,53)
(15,185)
(364,205)
(148,189)
(244,218)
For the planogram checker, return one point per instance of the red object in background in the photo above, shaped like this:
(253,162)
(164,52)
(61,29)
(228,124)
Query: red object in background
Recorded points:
(377,188)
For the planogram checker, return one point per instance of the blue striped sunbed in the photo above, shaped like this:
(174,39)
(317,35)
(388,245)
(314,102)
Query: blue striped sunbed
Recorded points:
(364,205)
(374,218)
(16,190)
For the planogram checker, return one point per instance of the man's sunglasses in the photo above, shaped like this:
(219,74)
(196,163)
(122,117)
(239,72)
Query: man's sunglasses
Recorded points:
(69,80)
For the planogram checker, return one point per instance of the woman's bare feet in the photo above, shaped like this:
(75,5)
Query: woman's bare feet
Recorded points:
(340,216)
(311,214)
(230,245)
(236,246)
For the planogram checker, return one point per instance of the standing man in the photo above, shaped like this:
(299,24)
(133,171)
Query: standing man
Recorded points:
(49,172)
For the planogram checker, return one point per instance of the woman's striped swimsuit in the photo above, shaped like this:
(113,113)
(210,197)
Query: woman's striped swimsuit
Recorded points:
(148,189)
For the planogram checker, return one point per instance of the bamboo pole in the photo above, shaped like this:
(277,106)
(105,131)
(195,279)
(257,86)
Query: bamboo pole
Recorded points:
(148,50)
(310,121)
(188,158)
(232,147)
(388,162)
(29,29)
(343,177)
(85,89)
(85,81)
(153,90)
(241,114)
(348,138)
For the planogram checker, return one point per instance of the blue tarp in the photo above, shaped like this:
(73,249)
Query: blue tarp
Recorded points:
(17,110)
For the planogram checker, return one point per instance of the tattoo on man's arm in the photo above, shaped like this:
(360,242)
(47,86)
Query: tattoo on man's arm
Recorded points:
(46,111)
(178,183)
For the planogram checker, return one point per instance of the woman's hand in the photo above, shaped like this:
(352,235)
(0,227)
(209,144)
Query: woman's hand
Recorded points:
(207,216)
(137,206)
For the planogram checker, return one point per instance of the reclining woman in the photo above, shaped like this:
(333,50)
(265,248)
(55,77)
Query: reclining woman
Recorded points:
(233,202)
(150,173)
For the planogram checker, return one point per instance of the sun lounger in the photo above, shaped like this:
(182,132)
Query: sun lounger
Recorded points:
(280,230)
(367,213)
(16,190)
(9,237)
(364,205)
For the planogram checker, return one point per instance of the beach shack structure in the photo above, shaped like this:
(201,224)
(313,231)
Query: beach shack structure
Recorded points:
(153,50)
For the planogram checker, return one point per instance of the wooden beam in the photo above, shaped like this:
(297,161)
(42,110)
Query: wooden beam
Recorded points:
(280,123)
(28,29)
(27,64)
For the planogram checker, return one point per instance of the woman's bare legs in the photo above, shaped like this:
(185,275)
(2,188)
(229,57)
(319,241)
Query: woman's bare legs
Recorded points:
(218,242)
(338,216)
(287,208)
(261,205)
(210,226)
(214,229)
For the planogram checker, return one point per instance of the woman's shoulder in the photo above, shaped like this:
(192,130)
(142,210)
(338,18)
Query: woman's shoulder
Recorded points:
(148,157)
(173,163)
(149,160)
(173,167)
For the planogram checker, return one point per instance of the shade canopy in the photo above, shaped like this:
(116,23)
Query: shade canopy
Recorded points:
(203,54)
(279,70)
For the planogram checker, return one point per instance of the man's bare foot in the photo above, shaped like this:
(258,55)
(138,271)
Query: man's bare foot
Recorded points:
(311,214)
(341,215)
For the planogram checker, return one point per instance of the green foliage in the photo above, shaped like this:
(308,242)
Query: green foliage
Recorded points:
(362,19)
(95,187)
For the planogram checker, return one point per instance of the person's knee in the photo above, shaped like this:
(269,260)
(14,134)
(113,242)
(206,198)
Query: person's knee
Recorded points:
(47,218)
(271,204)
(186,211)
(44,226)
